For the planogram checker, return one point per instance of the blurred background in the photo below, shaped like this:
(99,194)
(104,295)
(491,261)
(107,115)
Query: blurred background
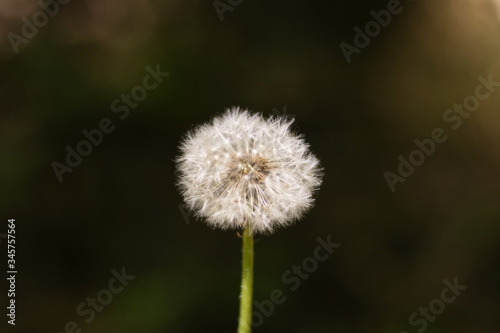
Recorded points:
(119,208)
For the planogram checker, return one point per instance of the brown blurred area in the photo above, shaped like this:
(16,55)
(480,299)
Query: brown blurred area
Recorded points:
(120,208)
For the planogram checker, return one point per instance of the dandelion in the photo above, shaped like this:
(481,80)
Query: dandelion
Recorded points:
(244,172)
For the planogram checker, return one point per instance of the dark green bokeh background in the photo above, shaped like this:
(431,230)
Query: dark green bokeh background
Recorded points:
(120,207)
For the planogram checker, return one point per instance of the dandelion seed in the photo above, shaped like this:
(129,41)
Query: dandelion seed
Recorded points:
(242,170)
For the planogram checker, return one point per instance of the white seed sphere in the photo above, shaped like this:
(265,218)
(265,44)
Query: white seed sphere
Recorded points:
(242,169)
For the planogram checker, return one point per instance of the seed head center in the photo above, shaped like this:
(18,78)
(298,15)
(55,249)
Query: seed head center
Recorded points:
(249,168)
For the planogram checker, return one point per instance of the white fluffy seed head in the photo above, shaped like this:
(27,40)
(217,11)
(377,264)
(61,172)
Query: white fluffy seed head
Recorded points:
(242,169)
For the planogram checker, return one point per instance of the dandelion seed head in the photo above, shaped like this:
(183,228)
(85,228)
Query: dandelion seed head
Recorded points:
(241,169)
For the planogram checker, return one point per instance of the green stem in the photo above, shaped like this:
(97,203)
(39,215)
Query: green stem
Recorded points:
(244,325)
